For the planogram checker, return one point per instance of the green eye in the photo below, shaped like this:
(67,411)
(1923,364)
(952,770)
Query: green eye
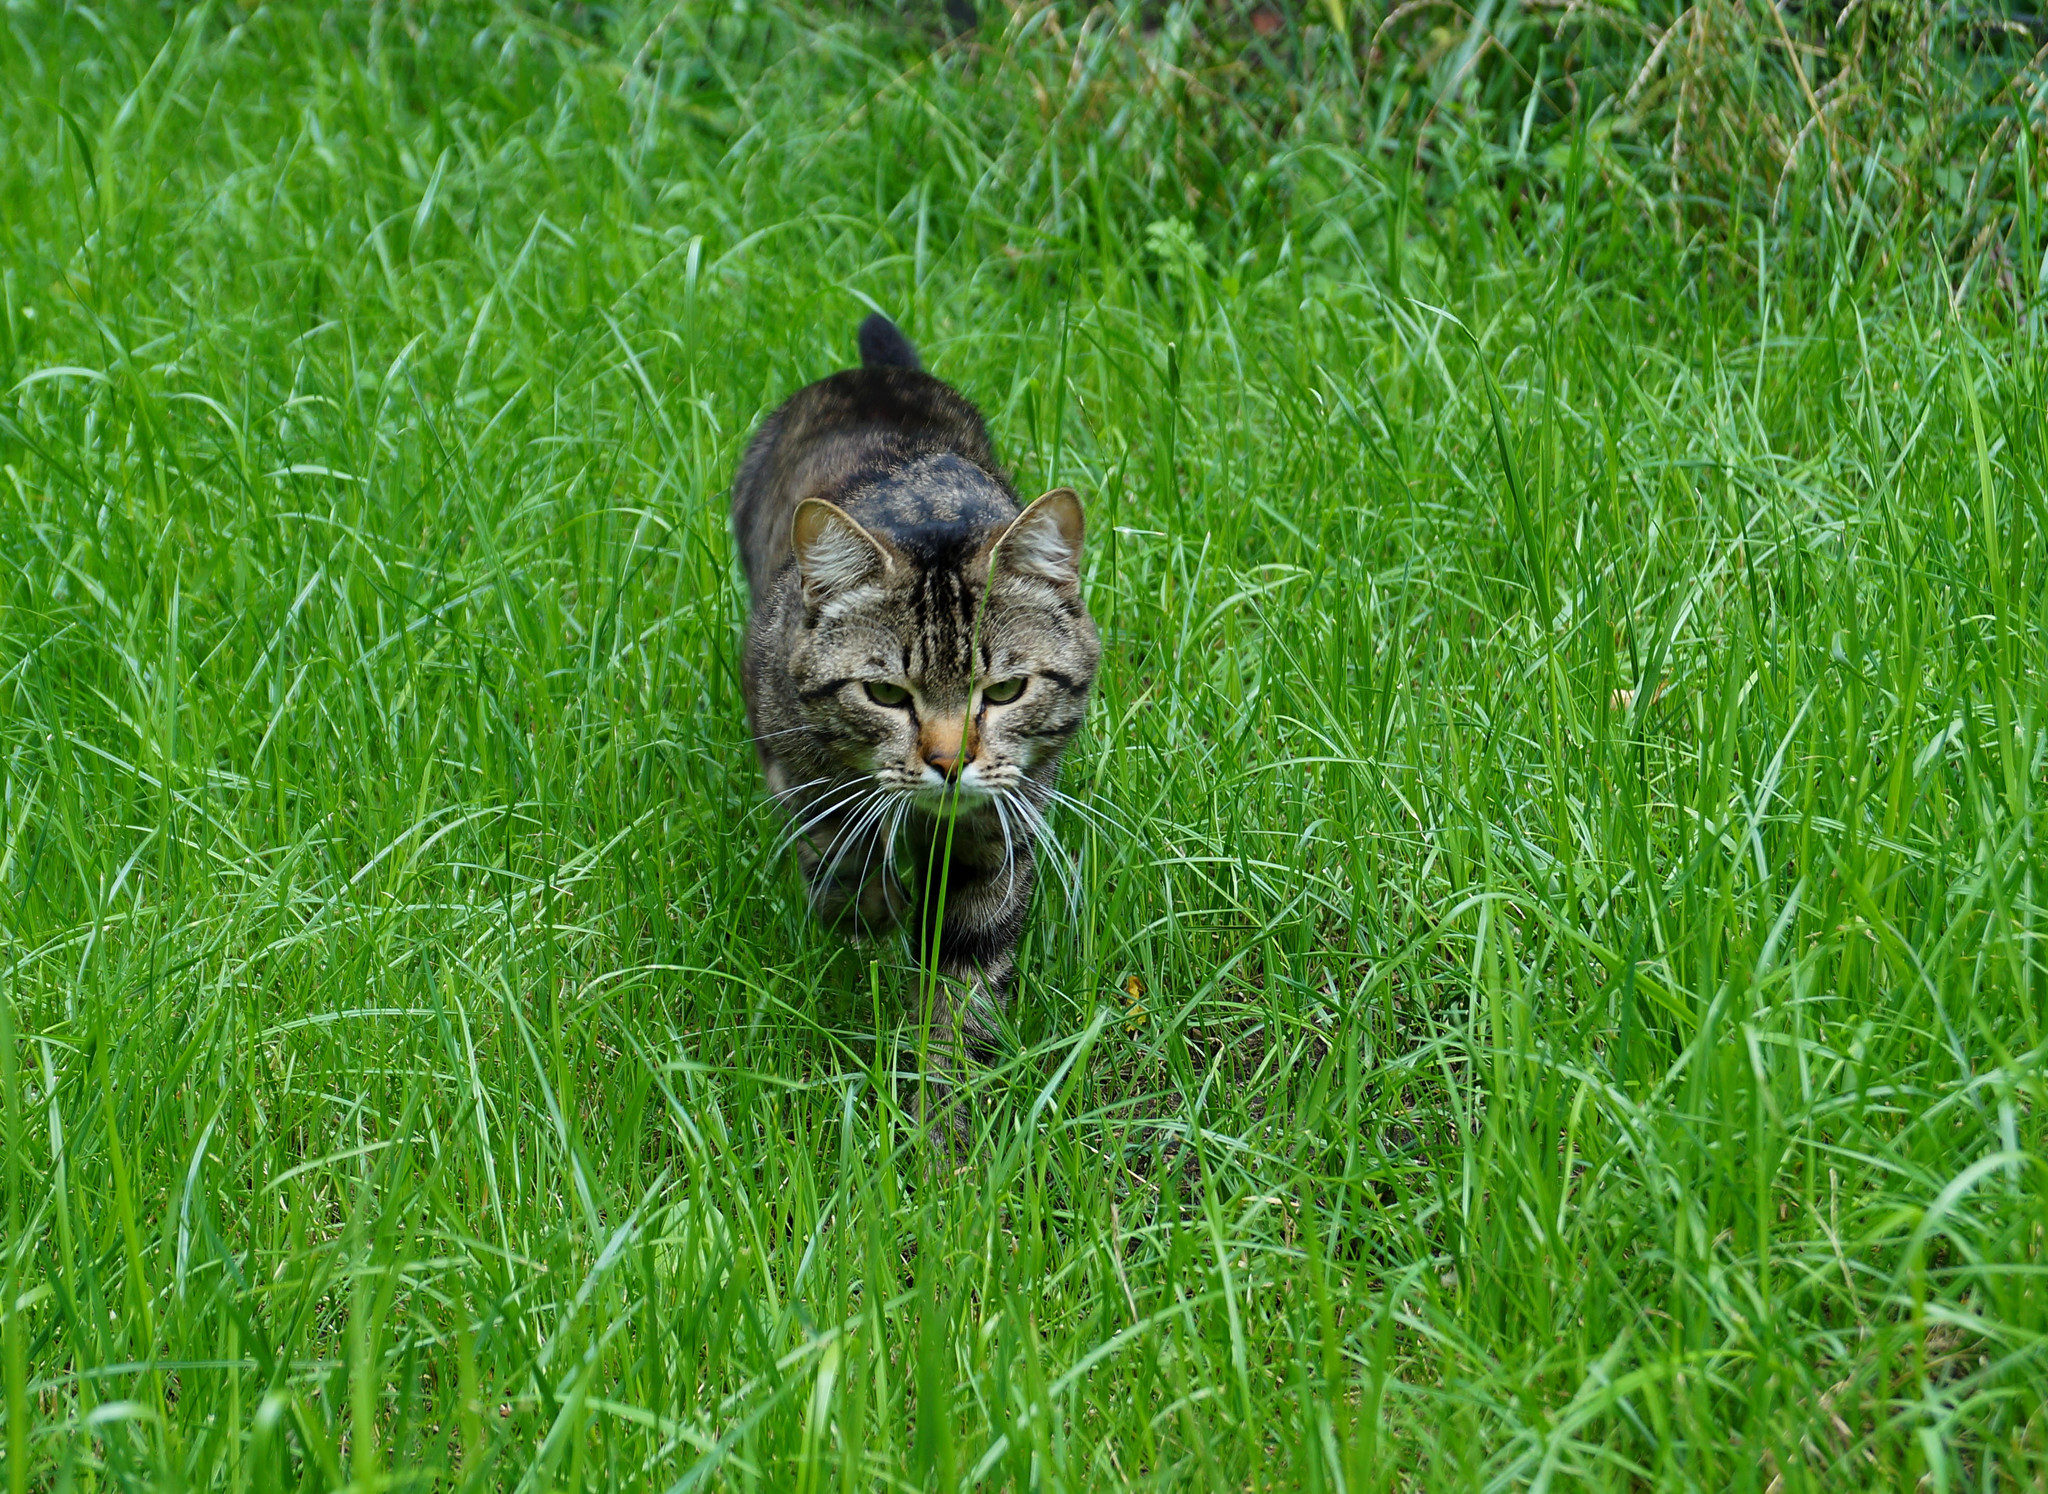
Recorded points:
(882,693)
(1002,692)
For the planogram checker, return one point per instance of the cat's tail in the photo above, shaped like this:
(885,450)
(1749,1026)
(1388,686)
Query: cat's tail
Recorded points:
(883,345)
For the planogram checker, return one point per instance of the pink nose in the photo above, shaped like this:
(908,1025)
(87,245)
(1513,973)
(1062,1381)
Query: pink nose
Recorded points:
(944,744)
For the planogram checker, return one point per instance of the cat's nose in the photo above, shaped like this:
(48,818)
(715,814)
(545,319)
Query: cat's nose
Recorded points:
(943,745)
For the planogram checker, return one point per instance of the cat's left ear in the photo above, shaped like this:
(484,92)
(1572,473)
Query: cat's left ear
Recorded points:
(1044,542)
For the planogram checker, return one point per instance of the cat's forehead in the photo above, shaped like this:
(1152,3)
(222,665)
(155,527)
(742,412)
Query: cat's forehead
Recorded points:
(937,627)
(936,510)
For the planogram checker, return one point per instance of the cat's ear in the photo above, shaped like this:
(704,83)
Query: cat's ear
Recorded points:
(1044,542)
(832,551)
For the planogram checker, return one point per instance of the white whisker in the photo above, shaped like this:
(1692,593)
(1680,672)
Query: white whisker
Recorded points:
(902,812)
(803,829)
(848,833)
(869,833)
(867,861)
(1009,846)
(1106,819)
(778,799)
(871,810)
(802,825)
(769,736)
(1069,874)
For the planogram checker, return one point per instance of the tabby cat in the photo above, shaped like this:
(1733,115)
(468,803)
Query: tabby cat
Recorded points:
(917,658)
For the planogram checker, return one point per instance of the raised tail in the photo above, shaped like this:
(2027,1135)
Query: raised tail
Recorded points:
(883,345)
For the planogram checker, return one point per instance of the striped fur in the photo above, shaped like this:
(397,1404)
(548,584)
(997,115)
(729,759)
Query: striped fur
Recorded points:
(896,587)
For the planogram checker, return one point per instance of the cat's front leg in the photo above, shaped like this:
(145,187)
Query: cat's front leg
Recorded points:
(969,919)
(972,898)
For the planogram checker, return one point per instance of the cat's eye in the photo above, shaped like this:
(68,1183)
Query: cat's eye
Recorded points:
(1002,692)
(882,693)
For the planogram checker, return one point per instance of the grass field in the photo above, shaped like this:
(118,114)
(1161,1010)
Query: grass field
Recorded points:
(1552,992)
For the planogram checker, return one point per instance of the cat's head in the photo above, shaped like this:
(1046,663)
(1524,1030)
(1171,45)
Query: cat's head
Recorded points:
(947,669)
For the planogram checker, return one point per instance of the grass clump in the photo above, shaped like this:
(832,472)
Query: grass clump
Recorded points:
(1555,996)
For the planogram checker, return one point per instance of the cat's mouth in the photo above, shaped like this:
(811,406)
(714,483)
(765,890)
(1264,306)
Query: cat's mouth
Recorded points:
(953,799)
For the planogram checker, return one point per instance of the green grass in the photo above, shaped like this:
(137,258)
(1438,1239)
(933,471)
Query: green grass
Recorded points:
(1556,996)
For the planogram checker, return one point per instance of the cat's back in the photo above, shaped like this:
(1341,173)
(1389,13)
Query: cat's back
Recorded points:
(855,431)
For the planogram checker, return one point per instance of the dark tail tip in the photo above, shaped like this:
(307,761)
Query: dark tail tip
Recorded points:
(883,345)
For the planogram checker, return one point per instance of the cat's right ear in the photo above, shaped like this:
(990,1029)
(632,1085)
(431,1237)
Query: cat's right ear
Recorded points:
(1044,542)
(832,551)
